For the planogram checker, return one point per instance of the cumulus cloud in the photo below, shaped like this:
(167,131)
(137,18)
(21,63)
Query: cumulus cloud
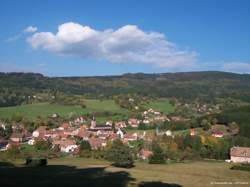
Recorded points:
(237,67)
(30,29)
(126,44)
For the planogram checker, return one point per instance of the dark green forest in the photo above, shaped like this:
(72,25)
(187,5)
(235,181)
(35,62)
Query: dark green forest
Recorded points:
(207,87)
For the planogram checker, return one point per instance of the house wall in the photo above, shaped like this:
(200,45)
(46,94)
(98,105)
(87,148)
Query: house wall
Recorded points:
(240,159)
(16,139)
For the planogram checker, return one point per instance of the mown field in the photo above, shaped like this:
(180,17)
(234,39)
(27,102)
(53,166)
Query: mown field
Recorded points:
(98,173)
(31,111)
(162,105)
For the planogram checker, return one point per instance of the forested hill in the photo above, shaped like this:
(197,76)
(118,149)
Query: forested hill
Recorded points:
(206,86)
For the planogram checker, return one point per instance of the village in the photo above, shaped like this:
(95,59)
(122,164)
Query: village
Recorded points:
(67,135)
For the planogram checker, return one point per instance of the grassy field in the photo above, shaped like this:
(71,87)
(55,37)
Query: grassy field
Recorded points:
(89,172)
(31,111)
(161,105)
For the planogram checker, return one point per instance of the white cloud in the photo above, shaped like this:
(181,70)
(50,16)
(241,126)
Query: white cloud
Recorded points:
(126,44)
(13,38)
(30,29)
(237,67)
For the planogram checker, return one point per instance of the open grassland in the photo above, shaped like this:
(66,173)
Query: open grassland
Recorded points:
(90,172)
(31,111)
(161,105)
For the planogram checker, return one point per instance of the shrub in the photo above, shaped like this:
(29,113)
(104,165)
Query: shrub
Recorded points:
(42,145)
(242,167)
(119,154)
(36,162)
(158,156)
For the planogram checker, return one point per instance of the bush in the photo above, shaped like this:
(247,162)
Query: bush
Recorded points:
(242,167)
(120,155)
(158,156)
(13,152)
(42,145)
(36,162)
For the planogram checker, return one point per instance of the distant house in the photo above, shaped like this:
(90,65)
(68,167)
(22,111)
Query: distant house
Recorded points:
(97,143)
(120,124)
(168,133)
(95,127)
(217,134)
(3,144)
(130,137)
(66,145)
(40,132)
(83,133)
(145,154)
(240,154)
(2,125)
(133,122)
(55,115)
(64,126)
(16,137)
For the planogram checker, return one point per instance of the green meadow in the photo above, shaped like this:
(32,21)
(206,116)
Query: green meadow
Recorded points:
(31,111)
(162,105)
(98,173)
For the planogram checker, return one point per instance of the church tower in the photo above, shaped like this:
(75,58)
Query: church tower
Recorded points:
(93,123)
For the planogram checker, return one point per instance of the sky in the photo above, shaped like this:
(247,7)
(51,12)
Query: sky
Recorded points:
(111,37)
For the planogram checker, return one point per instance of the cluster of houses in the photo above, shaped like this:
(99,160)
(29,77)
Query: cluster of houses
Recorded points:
(148,116)
(64,137)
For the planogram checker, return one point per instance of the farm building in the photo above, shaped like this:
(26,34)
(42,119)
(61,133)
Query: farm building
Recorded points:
(240,154)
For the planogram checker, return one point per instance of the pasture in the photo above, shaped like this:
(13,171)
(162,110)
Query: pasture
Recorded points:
(32,111)
(162,105)
(90,172)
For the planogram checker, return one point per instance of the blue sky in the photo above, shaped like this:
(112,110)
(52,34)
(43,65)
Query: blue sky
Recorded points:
(116,37)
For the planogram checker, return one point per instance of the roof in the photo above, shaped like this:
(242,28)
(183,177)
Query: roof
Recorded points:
(64,143)
(96,142)
(240,152)
(65,125)
(146,153)
(217,133)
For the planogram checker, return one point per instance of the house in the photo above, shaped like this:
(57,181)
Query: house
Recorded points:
(40,132)
(145,154)
(55,115)
(240,154)
(16,137)
(3,144)
(97,143)
(120,124)
(120,134)
(109,123)
(130,137)
(168,133)
(83,133)
(95,127)
(217,134)
(31,142)
(64,126)
(146,121)
(2,125)
(192,132)
(133,122)
(66,145)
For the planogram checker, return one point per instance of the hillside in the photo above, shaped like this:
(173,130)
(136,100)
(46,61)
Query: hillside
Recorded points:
(205,86)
